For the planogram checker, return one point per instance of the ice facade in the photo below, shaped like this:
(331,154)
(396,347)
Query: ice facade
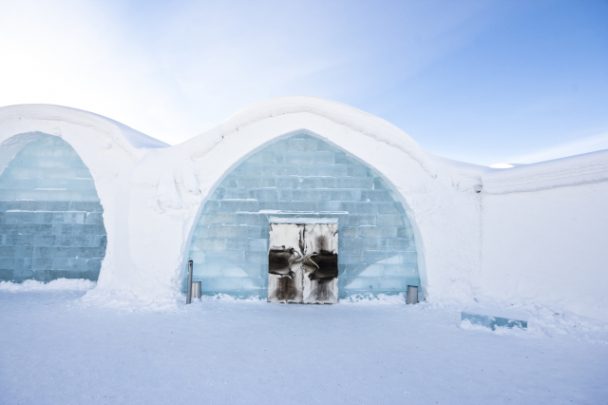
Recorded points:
(50,215)
(303,176)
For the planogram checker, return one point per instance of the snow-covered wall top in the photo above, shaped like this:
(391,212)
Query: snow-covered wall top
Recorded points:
(152,194)
(576,170)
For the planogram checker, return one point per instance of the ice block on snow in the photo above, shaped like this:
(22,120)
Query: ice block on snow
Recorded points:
(492,322)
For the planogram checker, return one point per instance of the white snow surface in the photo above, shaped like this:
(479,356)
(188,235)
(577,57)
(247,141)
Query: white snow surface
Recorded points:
(56,351)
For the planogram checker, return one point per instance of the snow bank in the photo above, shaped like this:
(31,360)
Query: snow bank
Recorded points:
(379,299)
(55,285)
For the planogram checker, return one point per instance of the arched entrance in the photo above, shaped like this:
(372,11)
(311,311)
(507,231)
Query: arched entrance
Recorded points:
(52,220)
(303,177)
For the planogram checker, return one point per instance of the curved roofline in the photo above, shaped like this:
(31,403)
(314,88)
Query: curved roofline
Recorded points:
(591,166)
(338,113)
(128,136)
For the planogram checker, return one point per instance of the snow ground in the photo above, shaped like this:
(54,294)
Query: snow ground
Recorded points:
(55,350)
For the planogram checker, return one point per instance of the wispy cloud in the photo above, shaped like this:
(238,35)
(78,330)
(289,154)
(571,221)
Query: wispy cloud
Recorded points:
(174,69)
(74,53)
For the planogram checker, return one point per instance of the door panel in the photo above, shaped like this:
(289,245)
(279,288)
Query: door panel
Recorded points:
(284,269)
(303,263)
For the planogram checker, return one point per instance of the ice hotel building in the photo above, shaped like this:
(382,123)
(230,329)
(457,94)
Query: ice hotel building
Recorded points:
(294,199)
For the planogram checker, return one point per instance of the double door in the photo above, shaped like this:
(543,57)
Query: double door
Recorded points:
(303,262)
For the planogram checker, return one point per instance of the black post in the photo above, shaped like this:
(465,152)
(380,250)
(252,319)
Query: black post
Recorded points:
(189,290)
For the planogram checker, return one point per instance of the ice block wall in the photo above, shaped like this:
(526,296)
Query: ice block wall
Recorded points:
(303,176)
(50,215)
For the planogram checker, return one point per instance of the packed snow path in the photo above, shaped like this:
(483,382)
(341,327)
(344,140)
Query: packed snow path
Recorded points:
(54,350)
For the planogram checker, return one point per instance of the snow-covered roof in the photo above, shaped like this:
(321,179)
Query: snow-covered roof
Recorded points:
(315,109)
(60,114)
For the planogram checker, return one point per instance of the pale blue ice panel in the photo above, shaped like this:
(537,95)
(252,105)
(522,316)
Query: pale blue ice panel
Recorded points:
(303,176)
(51,220)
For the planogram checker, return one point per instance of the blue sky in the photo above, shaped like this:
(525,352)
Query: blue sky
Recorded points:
(480,81)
